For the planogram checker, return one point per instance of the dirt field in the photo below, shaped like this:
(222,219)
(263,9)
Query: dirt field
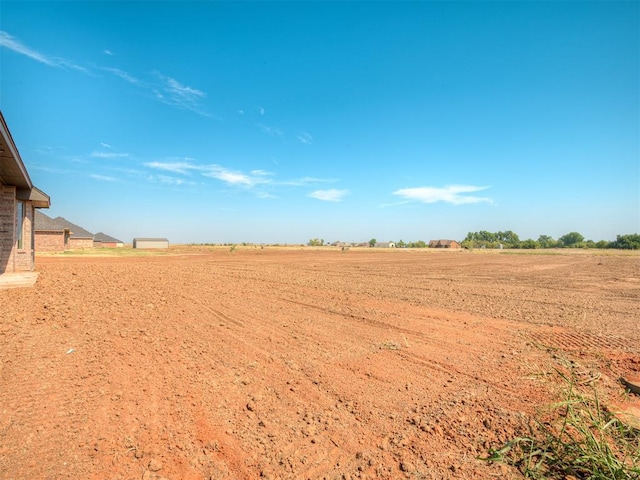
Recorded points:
(292,364)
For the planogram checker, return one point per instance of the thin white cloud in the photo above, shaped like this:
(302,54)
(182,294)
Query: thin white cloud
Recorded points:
(108,52)
(260,182)
(12,43)
(214,171)
(331,195)
(261,110)
(103,178)
(262,173)
(175,167)
(108,155)
(301,182)
(240,112)
(105,145)
(179,95)
(305,138)
(122,74)
(273,131)
(256,177)
(453,194)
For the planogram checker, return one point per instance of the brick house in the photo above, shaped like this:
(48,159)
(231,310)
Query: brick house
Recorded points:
(50,235)
(18,200)
(444,244)
(103,240)
(79,238)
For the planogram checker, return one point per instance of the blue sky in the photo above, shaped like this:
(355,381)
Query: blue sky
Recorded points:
(280,122)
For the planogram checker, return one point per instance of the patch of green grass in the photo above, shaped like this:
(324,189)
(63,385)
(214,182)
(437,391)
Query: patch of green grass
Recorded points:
(576,439)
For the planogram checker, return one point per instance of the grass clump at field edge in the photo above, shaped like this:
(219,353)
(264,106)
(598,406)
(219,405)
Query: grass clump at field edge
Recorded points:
(579,439)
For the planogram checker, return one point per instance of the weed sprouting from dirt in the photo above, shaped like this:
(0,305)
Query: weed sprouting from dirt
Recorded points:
(576,438)
(389,345)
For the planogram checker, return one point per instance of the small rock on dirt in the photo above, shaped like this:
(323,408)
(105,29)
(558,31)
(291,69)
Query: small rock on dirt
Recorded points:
(155,465)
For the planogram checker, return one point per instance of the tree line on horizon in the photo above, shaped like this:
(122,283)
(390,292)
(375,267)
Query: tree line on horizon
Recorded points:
(509,239)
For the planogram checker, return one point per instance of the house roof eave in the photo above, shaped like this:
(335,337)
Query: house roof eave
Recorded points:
(12,169)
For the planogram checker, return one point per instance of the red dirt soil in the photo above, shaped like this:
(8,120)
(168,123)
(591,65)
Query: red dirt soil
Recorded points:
(300,363)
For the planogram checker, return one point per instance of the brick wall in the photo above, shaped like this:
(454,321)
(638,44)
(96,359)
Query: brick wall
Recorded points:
(50,241)
(7,219)
(24,256)
(13,259)
(80,243)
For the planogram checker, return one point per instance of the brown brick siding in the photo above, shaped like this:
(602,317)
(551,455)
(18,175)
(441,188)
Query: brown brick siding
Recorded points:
(50,241)
(12,259)
(24,255)
(7,216)
(79,243)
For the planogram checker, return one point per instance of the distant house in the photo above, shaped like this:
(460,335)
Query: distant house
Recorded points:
(79,238)
(385,245)
(50,236)
(150,243)
(103,240)
(444,244)
(18,200)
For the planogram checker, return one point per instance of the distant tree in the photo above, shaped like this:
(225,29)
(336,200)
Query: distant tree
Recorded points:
(316,242)
(508,238)
(546,241)
(400,244)
(603,244)
(420,244)
(627,242)
(372,242)
(571,239)
(481,239)
(528,244)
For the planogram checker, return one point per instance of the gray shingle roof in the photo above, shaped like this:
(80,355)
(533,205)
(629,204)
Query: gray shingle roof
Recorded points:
(103,237)
(76,231)
(46,223)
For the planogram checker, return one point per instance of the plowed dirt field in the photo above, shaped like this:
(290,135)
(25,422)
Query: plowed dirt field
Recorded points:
(300,363)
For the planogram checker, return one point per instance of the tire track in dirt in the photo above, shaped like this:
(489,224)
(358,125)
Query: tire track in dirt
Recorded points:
(582,341)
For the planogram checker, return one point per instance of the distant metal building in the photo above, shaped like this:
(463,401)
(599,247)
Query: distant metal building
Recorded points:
(150,243)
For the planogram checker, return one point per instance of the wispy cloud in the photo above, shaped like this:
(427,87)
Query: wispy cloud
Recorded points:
(256,177)
(261,110)
(301,182)
(175,93)
(305,138)
(218,172)
(17,46)
(123,75)
(108,155)
(12,43)
(105,145)
(331,195)
(260,182)
(169,90)
(175,167)
(103,178)
(270,130)
(454,194)
(168,180)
